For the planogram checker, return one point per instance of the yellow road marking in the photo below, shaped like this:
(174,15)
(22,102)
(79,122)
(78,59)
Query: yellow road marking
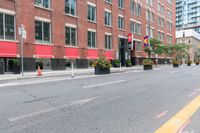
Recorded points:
(176,122)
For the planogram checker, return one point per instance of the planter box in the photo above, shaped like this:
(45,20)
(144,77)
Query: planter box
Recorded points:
(197,63)
(1,68)
(99,71)
(128,65)
(189,64)
(117,66)
(175,65)
(16,69)
(148,67)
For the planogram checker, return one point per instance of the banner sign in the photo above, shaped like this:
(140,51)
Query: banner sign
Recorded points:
(130,37)
(146,41)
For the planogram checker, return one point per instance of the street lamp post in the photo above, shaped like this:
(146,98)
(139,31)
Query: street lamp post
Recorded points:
(22,34)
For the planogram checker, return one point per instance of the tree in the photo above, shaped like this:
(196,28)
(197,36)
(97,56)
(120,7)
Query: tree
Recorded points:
(156,47)
(180,51)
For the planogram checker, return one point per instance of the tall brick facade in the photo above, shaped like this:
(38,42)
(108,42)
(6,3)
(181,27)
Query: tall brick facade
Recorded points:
(26,12)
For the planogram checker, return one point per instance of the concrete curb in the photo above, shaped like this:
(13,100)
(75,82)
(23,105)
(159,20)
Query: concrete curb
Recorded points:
(78,72)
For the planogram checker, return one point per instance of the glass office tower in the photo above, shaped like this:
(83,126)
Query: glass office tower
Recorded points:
(188,14)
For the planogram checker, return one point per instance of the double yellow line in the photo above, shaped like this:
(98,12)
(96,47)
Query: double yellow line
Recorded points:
(182,117)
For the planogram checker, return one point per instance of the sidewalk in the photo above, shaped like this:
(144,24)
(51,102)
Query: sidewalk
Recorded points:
(68,72)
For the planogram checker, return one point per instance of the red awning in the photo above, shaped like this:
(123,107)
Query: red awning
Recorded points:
(109,55)
(92,54)
(8,49)
(43,51)
(72,53)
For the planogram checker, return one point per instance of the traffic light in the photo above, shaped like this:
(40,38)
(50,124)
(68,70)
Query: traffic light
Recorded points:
(129,46)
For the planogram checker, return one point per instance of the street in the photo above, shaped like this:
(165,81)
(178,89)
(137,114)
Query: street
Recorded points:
(129,102)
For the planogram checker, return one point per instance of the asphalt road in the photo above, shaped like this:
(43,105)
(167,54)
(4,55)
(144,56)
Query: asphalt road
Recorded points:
(130,102)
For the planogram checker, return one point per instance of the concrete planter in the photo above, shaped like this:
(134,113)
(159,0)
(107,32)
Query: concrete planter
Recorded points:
(148,67)
(175,65)
(100,71)
(16,69)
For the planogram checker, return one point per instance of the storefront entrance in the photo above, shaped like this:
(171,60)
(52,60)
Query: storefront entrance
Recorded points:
(45,64)
(123,54)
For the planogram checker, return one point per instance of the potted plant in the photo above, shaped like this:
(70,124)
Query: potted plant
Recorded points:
(102,66)
(128,63)
(176,62)
(148,64)
(116,63)
(16,66)
(196,61)
(189,62)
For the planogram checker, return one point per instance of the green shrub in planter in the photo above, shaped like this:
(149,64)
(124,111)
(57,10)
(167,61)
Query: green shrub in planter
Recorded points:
(116,63)
(176,62)
(189,62)
(128,63)
(148,64)
(16,66)
(102,66)
(196,61)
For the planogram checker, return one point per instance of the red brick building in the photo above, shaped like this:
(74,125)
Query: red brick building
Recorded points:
(81,30)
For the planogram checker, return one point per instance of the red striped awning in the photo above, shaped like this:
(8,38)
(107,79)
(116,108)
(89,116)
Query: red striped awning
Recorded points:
(72,53)
(43,51)
(92,54)
(109,55)
(8,49)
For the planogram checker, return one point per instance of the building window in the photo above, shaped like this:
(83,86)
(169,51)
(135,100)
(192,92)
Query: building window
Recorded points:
(161,36)
(109,1)
(151,31)
(135,8)
(70,7)
(161,21)
(169,39)
(43,3)
(169,26)
(135,27)
(91,13)
(150,2)
(161,8)
(169,14)
(70,36)
(108,41)
(121,3)
(108,18)
(148,15)
(42,31)
(138,46)
(7,27)
(132,6)
(121,22)
(91,39)
(169,1)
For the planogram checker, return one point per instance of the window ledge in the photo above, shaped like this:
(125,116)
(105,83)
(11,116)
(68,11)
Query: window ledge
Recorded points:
(92,48)
(68,46)
(4,40)
(95,22)
(108,2)
(121,30)
(111,50)
(47,9)
(42,43)
(71,15)
(108,26)
(121,8)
